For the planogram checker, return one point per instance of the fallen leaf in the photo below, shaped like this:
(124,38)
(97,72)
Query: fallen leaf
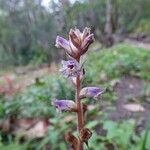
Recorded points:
(134,107)
(31,128)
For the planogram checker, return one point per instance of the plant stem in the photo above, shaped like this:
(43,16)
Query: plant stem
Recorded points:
(80,110)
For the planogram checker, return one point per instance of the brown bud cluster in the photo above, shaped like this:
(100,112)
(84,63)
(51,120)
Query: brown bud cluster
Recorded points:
(69,137)
(77,44)
(85,135)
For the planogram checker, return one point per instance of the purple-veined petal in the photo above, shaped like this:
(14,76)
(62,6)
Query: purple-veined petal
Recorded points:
(86,43)
(74,49)
(78,42)
(74,38)
(63,43)
(86,32)
(78,33)
(91,92)
(70,68)
(64,105)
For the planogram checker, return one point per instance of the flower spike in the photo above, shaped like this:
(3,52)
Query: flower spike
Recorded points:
(76,46)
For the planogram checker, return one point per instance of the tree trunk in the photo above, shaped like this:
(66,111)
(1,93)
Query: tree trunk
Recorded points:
(109,17)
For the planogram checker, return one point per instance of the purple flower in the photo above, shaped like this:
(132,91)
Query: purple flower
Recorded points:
(64,105)
(77,44)
(65,44)
(70,68)
(91,92)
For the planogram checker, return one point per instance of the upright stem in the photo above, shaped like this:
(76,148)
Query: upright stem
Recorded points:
(80,109)
(79,106)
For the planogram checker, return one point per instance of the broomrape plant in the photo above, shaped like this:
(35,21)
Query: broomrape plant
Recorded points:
(76,47)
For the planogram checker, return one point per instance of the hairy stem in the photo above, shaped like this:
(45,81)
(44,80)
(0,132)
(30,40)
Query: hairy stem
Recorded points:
(80,110)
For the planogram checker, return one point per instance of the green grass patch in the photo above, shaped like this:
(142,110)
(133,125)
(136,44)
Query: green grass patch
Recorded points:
(117,61)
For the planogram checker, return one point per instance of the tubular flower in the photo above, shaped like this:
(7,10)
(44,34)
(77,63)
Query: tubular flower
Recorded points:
(70,68)
(63,43)
(91,92)
(64,105)
(78,42)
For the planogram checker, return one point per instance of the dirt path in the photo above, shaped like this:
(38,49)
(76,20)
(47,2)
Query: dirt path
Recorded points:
(138,44)
(131,90)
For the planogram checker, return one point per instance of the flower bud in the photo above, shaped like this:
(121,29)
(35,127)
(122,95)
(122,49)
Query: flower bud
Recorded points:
(85,135)
(77,44)
(64,105)
(91,92)
(69,137)
(81,41)
(63,43)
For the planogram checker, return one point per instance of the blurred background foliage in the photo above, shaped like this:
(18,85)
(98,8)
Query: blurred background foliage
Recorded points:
(28,29)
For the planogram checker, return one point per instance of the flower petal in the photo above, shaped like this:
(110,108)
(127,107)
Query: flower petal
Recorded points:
(64,105)
(78,33)
(74,49)
(91,92)
(75,39)
(86,43)
(63,43)
(78,43)
(86,32)
(70,68)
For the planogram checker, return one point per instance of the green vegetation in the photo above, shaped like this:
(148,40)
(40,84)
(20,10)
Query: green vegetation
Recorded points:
(144,26)
(35,101)
(103,67)
(119,60)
